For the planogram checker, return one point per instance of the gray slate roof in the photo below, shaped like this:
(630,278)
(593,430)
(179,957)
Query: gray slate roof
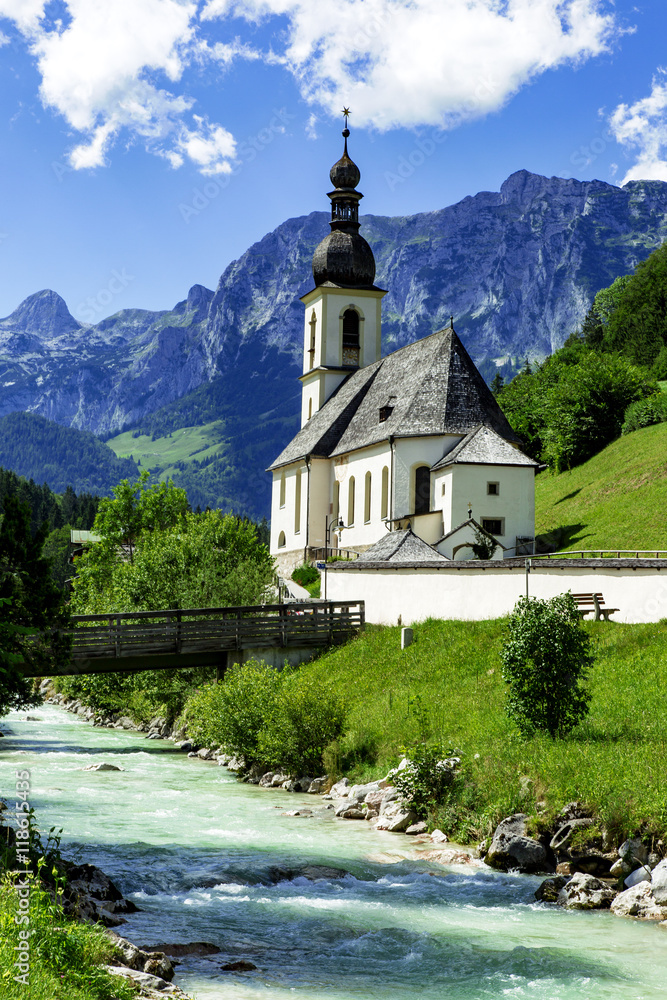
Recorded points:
(433,387)
(484,447)
(401,546)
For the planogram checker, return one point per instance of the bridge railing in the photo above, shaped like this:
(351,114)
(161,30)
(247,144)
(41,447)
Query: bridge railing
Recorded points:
(192,630)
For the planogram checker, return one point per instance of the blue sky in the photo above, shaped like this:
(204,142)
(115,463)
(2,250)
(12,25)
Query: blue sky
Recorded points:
(145,144)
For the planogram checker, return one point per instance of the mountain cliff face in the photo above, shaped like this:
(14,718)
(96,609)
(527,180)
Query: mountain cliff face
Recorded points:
(516,268)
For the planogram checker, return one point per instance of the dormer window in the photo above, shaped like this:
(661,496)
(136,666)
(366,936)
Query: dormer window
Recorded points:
(351,338)
(385,413)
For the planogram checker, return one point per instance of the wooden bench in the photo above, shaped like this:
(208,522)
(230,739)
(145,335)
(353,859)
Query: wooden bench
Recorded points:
(593,602)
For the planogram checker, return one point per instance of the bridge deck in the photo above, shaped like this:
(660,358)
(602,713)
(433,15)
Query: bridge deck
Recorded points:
(149,640)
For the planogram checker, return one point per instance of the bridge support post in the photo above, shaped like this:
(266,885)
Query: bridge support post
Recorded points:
(221,667)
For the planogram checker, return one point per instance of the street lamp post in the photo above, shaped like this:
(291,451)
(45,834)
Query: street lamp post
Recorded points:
(336,525)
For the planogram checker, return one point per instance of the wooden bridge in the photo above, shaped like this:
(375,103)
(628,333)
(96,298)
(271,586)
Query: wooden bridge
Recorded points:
(199,637)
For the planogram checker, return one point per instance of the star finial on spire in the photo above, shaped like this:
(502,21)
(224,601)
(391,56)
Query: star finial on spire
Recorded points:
(346,113)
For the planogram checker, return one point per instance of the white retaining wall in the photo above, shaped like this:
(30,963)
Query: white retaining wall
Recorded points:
(640,592)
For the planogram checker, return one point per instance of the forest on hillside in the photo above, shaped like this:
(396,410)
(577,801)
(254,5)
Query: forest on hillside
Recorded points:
(604,381)
(46,452)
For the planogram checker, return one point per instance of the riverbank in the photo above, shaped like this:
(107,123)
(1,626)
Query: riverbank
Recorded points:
(209,859)
(591,871)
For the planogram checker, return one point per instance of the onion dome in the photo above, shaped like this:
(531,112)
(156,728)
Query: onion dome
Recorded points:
(345,173)
(344,257)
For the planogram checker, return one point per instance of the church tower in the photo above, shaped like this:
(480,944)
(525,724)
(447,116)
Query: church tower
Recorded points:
(343,311)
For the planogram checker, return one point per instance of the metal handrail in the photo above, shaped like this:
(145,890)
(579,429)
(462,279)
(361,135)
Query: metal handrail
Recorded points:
(604,554)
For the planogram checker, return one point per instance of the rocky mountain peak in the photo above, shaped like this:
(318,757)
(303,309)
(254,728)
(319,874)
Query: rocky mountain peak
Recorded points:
(43,314)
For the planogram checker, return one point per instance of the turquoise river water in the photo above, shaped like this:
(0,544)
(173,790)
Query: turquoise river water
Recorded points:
(193,848)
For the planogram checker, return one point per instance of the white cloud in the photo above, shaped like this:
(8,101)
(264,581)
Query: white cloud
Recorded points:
(642,127)
(424,62)
(113,68)
(100,70)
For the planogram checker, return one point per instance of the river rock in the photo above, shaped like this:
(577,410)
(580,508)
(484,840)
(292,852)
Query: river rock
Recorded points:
(512,849)
(125,722)
(642,874)
(548,891)
(620,868)
(180,950)
(349,810)
(565,832)
(339,790)
(235,764)
(142,979)
(633,852)
(266,779)
(416,828)
(205,753)
(659,883)
(360,793)
(317,785)
(150,961)
(102,767)
(584,892)
(279,779)
(241,966)
(438,837)
(639,901)
(592,863)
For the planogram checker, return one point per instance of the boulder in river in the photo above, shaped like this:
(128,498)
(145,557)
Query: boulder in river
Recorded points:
(102,767)
(659,882)
(584,892)
(512,849)
(639,901)
(548,891)
(241,966)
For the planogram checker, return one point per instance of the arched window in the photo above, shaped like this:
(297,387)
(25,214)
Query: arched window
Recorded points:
(384,510)
(367,498)
(335,507)
(281,540)
(422,489)
(350,502)
(351,338)
(297,503)
(282,489)
(313,327)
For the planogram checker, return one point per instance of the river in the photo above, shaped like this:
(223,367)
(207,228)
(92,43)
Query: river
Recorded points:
(194,849)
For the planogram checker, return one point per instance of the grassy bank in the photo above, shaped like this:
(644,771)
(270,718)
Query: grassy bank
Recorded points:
(448,685)
(58,958)
(615,500)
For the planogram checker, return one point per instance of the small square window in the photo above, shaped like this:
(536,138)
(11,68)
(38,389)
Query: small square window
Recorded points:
(494,525)
(493,489)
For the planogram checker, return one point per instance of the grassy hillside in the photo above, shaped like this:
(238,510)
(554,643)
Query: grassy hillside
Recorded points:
(164,453)
(448,685)
(617,499)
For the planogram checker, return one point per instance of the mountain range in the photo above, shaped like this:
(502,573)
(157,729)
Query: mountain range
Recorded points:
(517,269)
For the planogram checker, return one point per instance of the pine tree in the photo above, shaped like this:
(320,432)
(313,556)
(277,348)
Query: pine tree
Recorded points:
(32,608)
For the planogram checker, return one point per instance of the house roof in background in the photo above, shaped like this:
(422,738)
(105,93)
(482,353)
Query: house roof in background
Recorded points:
(401,546)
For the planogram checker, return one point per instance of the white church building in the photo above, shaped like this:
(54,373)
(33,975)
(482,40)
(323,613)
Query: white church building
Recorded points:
(414,440)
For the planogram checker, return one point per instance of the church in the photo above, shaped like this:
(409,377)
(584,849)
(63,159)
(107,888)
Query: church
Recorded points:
(413,443)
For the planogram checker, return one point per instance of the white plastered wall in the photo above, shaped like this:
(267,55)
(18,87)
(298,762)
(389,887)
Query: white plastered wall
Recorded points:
(283,517)
(318,502)
(410,453)
(515,502)
(358,464)
(474,594)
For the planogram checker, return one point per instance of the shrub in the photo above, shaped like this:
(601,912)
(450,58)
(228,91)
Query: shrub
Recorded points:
(546,657)
(645,412)
(428,776)
(305,574)
(231,714)
(304,719)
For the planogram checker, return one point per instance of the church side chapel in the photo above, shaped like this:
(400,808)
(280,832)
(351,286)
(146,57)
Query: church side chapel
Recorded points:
(411,446)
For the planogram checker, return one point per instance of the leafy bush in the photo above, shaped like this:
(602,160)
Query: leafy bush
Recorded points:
(546,657)
(304,719)
(645,413)
(305,574)
(232,714)
(428,776)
